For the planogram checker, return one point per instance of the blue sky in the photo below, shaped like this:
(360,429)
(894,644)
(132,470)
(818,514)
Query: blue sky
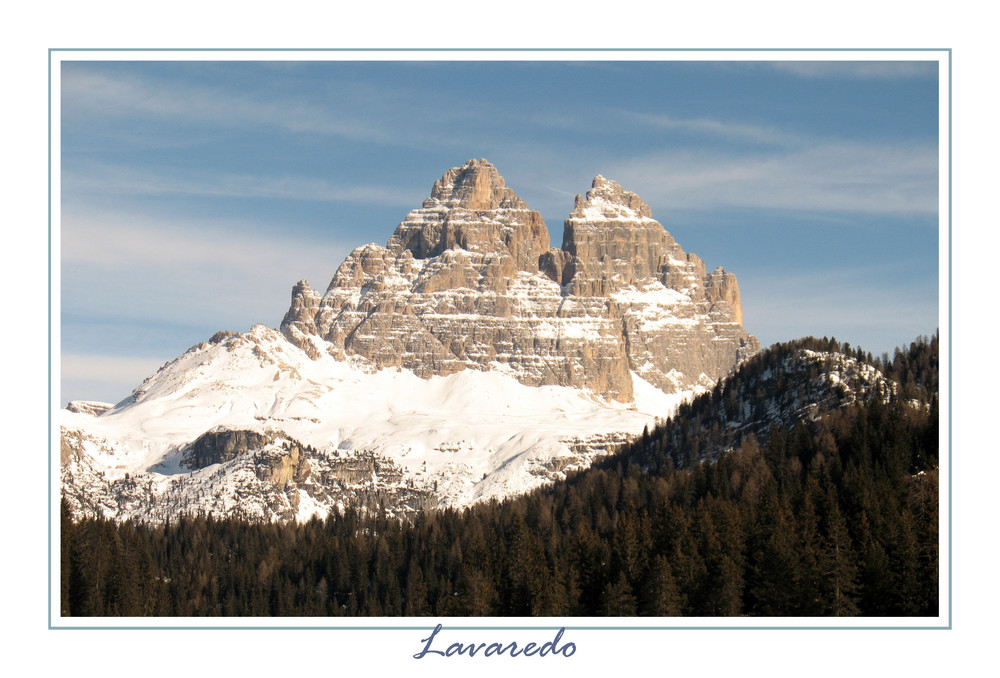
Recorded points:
(195,194)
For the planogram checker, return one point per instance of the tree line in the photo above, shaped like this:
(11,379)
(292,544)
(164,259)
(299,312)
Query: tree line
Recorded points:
(833,517)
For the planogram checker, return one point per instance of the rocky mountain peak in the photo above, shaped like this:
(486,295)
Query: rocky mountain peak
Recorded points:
(474,310)
(615,242)
(468,281)
(606,199)
(471,209)
(476,185)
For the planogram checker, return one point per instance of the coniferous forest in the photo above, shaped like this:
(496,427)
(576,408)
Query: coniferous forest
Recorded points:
(832,516)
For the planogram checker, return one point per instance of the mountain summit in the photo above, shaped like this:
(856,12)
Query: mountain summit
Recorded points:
(469,281)
(467,359)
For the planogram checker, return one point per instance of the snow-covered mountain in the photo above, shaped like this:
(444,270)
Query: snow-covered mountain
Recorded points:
(465,360)
(468,281)
(342,431)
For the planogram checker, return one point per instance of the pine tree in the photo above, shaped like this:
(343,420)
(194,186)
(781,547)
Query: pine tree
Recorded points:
(416,591)
(618,600)
(773,586)
(660,597)
(840,574)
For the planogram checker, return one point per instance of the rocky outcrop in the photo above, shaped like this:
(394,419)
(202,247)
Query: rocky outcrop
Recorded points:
(281,467)
(469,281)
(471,208)
(91,407)
(221,445)
(468,285)
(70,446)
(274,461)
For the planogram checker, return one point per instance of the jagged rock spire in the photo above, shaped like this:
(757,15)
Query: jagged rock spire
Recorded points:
(607,199)
(468,281)
(471,208)
(476,185)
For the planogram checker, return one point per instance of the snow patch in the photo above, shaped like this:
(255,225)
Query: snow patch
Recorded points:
(466,437)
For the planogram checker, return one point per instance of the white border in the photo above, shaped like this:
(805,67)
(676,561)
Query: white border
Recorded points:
(942,57)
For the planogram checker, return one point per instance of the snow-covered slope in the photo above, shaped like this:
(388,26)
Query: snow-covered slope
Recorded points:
(465,360)
(333,432)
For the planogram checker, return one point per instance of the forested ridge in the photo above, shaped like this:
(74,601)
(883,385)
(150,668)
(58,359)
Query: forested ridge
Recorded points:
(836,515)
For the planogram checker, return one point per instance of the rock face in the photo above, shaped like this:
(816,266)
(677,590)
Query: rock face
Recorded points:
(469,281)
(276,464)
(220,445)
(468,289)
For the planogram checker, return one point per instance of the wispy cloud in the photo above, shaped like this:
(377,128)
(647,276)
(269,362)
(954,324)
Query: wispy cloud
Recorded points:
(219,275)
(129,180)
(717,129)
(105,377)
(867,70)
(114,96)
(350,110)
(873,307)
(850,177)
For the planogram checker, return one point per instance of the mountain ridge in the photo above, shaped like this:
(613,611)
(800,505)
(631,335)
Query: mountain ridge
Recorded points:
(468,281)
(836,516)
(286,472)
(465,360)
